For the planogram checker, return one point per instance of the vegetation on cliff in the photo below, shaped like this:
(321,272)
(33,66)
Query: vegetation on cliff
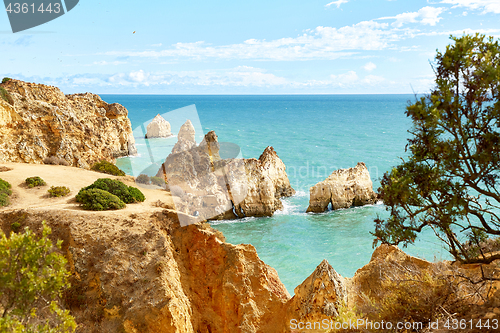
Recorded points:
(6,96)
(449,183)
(32,278)
(97,199)
(107,167)
(35,181)
(58,191)
(127,194)
(5,192)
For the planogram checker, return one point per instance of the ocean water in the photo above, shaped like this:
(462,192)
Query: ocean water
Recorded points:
(313,135)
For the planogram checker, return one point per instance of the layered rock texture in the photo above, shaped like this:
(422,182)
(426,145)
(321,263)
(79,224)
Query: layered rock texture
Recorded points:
(146,274)
(205,186)
(344,188)
(158,128)
(41,121)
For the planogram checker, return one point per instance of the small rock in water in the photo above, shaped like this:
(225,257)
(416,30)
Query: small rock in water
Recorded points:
(158,128)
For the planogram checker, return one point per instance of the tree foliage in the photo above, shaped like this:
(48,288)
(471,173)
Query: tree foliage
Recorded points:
(32,277)
(450,181)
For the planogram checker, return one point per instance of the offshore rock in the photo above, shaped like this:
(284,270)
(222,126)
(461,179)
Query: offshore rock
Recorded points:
(186,132)
(158,128)
(80,128)
(344,188)
(204,185)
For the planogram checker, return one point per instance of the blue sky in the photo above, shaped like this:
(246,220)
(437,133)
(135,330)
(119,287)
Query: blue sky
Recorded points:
(251,47)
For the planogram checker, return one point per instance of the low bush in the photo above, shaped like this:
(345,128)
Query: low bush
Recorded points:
(6,79)
(58,191)
(54,160)
(35,181)
(117,188)
(158,181)
(97,199)
(409,294)
(6,96)
(136,194)
(143,179)
(107,167)
(5,192)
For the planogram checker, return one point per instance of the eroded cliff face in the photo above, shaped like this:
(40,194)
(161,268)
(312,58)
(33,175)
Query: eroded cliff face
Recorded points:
(344,188)
(208,187)
(41,121)
(145,273)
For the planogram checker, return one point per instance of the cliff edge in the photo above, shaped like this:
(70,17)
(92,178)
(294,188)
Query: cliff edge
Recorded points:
(38,121)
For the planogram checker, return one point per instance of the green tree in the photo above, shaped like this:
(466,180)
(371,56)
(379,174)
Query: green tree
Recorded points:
(450,181)
(32,277)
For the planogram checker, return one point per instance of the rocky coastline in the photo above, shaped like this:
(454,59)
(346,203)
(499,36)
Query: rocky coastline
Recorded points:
(158,266)
(39,121)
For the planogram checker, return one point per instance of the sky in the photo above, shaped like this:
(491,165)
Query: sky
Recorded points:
(243,47)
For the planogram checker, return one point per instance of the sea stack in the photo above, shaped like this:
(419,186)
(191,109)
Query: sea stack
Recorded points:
(185,138)
(158,128)
(344,188)
(208,187)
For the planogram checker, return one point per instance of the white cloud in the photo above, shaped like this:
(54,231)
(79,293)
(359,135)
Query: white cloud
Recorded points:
(108,63)
(157,45)
(373,79)
(319,43)
(336,3)
(427,15)
(369,66)
(345,79)
(487,6)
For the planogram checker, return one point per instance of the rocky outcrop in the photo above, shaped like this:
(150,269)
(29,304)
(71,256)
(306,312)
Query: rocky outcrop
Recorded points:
(319,297)
(186,132)
(144,273)
(80,128)
(344,188)
(207,187)
(158,128)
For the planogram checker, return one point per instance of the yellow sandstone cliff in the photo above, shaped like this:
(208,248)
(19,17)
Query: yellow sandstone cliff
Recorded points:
(38,121)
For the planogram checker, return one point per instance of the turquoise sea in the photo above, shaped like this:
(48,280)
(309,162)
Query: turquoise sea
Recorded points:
(313,135)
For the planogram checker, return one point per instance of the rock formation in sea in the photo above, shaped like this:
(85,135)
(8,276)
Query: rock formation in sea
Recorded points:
(344,188)
(158,128)
(41,121)
(204,185)
(185,138)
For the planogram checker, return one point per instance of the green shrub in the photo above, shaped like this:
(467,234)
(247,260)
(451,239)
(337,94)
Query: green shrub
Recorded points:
(117,188)
(136,194)
(97,199)
(15,226)
(35,181)
(143,179)
(58,191)
(6,96)
(109,168)
(6,79)
(5,191)
(158,181)
(4,199)
(33,276)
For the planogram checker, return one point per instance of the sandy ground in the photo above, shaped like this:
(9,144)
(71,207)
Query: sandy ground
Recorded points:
(73,178)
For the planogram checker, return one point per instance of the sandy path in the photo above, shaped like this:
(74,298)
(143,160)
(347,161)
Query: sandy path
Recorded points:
(73,178)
